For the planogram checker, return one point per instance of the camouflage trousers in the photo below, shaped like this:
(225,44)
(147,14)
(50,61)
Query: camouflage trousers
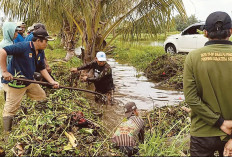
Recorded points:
(106,99)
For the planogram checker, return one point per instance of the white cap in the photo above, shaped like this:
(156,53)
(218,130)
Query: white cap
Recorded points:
(30,28)
(20,24)
(101,56)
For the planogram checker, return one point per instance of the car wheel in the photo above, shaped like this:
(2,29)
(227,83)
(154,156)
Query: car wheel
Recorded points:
(170,48)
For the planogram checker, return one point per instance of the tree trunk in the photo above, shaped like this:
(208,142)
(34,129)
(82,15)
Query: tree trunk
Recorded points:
(69,39)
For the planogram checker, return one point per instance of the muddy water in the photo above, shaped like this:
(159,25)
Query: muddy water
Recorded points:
(131,85)
(134,86)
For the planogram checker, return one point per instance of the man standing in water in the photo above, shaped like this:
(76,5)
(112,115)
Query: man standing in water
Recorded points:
(207,89)
(102,79)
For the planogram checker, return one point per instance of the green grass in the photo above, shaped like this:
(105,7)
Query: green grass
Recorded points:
(168,132)
(161,145)
(138,55)
(145,37)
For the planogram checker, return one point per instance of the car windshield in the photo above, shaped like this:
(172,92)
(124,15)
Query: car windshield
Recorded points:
(192,30)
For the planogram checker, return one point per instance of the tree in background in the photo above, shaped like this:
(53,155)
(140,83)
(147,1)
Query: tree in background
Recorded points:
(94,20)
(182,23)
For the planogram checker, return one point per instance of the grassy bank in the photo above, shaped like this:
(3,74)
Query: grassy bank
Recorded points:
(139,56)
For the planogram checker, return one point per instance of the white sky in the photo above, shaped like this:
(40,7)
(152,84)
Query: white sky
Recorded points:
(202,8)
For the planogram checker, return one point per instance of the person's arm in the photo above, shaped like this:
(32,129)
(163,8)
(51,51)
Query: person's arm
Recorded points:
(228,148)
(47,66)
(41,67)
(106,71)
(83,67)
(46,75)
(6,75)
(196,104)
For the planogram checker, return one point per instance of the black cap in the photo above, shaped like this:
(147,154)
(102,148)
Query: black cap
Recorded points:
(218,21)
(42,33)
(129,108)
(38,25)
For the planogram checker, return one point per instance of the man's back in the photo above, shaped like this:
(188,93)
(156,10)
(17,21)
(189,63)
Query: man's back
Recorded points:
(210,69)
(127,132)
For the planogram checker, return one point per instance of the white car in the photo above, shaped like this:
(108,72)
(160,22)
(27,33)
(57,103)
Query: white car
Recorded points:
(189,39)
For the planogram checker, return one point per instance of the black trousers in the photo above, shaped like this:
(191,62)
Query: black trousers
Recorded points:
(206,146)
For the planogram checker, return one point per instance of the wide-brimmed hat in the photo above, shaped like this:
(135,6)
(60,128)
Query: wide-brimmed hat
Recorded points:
(42,33)
(218,21)
(129,108)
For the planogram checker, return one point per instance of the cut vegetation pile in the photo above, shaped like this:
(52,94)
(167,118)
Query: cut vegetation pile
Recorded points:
(47,128)
(167,69)
(167,132)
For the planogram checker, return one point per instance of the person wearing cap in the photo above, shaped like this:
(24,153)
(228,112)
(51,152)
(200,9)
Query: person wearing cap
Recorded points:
(34,27)
(102,79)
(29,30)
(29,37)
(9,30)
(207,89)
(130,132)
(20,37)
(27,58)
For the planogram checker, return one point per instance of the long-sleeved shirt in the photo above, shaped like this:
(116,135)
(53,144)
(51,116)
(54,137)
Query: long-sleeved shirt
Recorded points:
(207,87)
(102,79)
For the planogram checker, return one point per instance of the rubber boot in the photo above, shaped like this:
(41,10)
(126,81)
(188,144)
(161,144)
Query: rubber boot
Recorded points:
(7,123)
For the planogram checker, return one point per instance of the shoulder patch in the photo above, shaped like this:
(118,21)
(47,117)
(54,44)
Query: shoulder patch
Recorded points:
(30,55)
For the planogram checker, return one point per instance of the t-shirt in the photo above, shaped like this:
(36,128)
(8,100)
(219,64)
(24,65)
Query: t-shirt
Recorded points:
(24,61)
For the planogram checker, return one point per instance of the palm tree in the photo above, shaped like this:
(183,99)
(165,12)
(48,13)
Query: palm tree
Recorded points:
(94,20)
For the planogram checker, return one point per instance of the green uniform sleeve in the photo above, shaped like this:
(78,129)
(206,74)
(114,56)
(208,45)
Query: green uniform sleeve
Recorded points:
(191,95)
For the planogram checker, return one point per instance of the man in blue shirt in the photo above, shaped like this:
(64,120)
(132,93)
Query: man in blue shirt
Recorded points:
(35,27)
(20,37)
(27,58)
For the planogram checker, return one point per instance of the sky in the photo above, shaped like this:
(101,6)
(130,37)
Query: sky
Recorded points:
(202,8)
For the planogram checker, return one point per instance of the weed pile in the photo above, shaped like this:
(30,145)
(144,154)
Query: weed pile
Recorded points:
(46,128)
(167,69)
(167,132)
